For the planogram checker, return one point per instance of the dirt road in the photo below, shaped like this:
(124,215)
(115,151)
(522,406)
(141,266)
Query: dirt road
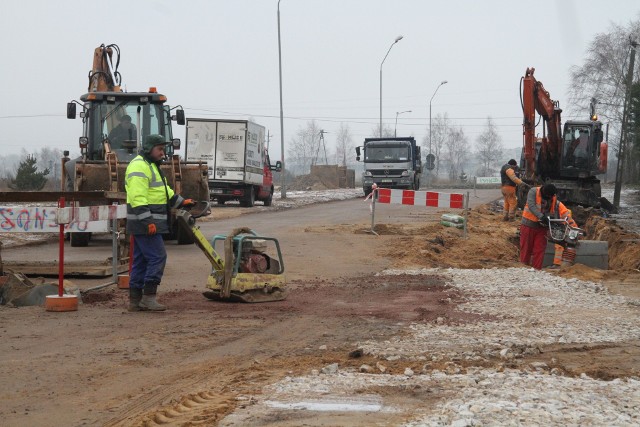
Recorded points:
(347,347)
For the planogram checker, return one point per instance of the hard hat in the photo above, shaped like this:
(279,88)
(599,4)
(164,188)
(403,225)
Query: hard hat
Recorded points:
(151,141)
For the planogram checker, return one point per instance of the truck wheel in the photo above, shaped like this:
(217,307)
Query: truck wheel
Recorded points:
(221,201)
(367,191)
(269,200)
(250,199)
(80,240)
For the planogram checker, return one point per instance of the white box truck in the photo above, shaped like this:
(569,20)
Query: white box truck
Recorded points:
(237,158)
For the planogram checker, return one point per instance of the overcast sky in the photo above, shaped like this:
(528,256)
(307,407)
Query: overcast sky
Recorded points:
(219,59)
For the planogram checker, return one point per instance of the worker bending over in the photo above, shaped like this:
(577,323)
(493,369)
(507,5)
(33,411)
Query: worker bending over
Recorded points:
(542,205)
(509,183)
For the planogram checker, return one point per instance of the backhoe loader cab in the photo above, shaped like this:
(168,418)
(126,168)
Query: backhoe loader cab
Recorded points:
(104,114)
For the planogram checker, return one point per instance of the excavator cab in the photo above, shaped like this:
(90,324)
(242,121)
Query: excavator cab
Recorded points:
(581,149)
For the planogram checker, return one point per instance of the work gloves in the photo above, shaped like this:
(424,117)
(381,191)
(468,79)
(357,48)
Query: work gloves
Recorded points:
(188,203)
(544,220)
(525,186)
(151,229)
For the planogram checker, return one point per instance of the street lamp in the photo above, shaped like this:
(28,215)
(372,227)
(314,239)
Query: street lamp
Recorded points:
(395,131)
(385,57)
(283,191)
(434,94)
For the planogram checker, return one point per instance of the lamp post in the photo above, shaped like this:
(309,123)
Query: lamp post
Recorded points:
(434,94)
(395,130)
(385,57)
(283,191)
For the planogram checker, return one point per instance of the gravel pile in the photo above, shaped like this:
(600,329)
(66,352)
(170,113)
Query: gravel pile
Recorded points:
(529,308)
(518,310)
(479,397)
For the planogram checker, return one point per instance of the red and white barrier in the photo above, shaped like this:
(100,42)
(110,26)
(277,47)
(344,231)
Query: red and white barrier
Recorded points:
(90,213)
(421,198)
(417,198)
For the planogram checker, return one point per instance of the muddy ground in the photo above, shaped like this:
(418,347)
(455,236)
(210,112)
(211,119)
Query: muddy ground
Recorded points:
(210,363)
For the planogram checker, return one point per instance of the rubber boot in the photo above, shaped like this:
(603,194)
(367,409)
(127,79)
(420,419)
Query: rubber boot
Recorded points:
(135,296)
(148,301)
(506,216)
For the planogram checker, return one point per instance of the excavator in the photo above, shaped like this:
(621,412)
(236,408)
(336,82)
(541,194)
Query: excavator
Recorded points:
(115,123)
(569,157)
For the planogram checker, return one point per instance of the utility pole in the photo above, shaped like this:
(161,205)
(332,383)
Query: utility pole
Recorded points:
(314,161)
(622,149)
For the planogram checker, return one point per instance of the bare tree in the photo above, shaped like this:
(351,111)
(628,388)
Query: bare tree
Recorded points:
(440,128)
(455,150)
(489,148)
(387,132)
(344,145)
(603,76)
(303,148)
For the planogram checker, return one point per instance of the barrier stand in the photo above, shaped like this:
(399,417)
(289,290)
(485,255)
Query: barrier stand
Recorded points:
(62,301)
(372,207)
(466,210)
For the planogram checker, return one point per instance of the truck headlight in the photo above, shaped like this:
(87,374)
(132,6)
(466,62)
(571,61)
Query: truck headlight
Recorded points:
(405,173)
(367,173)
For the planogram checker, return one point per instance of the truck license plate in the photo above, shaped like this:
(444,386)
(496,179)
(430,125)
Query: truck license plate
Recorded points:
(216,191)
(387,180)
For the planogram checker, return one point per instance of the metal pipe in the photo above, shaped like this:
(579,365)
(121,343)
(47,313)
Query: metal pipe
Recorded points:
(385,57)
(283,191)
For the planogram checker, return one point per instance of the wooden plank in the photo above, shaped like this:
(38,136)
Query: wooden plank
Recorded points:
(80,269)
(53,196)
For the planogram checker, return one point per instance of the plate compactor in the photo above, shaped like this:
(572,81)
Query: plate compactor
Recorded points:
(252,269)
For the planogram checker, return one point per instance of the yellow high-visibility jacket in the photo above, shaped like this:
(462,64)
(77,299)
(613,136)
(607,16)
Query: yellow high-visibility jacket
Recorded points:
(149,197)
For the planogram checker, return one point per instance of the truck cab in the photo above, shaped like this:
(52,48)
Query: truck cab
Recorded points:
(390,163)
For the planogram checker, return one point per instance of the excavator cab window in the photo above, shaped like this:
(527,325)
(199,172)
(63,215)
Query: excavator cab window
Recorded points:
(578,147)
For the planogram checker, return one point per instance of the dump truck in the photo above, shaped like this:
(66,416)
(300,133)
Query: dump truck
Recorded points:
(390,163)
(238,161)
(114,125)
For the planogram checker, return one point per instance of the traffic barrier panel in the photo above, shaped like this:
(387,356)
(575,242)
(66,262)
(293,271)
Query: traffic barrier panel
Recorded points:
(417,198)
(421,198)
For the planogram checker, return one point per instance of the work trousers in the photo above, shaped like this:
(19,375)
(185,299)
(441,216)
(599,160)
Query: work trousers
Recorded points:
(533,242)
(510,199)
(149,259)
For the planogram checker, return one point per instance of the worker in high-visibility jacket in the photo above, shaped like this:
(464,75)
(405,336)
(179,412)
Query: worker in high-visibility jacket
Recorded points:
(509,182)
(542,205)
(149,200)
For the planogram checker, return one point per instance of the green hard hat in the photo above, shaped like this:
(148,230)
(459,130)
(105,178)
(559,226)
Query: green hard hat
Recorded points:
(151,141)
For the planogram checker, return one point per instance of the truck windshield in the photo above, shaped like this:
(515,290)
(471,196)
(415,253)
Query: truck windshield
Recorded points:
(386,154)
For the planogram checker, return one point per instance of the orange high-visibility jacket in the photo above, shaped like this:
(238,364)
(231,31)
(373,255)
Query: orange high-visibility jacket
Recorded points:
(533,211)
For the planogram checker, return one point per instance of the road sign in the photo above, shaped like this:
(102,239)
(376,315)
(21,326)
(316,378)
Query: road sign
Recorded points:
(430,162)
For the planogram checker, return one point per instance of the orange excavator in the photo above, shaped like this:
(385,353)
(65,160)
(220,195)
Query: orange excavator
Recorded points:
(569,157)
